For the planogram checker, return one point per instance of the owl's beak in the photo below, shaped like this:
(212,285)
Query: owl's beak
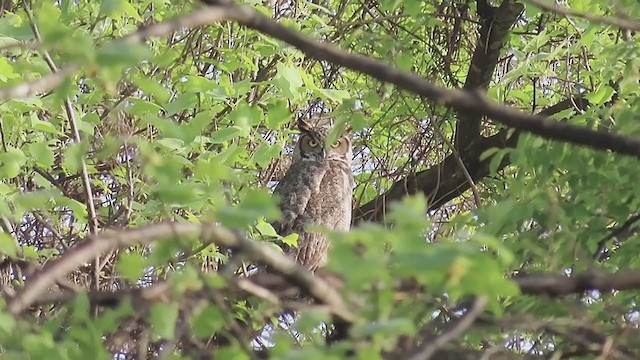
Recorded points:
(324,153)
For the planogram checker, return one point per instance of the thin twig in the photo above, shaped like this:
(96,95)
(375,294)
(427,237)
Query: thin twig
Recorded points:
(430,348)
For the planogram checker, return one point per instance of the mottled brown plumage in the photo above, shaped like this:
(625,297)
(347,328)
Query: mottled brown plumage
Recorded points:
(316,190)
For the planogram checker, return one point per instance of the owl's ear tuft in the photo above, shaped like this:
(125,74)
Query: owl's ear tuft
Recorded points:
(304,126)
(347,130)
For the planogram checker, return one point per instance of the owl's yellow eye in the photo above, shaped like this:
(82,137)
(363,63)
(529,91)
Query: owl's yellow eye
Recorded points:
(312,142)
(335,144)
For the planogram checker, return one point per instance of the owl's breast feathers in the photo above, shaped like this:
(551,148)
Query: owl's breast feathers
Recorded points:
(295,189)
(317,193)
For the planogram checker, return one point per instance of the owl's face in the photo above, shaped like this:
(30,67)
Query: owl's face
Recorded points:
(312,145)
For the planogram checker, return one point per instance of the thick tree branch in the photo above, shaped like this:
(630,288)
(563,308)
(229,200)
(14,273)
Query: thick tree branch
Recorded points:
(558,285)
(496,23)
(430,182)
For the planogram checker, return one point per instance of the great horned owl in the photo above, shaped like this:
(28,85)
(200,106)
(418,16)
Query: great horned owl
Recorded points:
(317,189)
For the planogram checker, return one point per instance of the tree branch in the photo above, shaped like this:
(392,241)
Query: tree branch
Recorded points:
(559,285)
(496,23)
(620,23)
(438,192)
(99,244)
(456,99)
(41,85)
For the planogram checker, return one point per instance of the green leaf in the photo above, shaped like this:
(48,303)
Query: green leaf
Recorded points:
(73,155)
(11,25)
(199,84)
(177,193)
(171,144)
(488,153)
(358,121)
(7,323)
(600,96)
(255,204)
(226,134)
(336,131)
(7,245)
(40,346)
(196,126)
(289,80)
(246,116)
(265,153)
(335,95)
(42,154)
(278,114)
(181,103)
(45,126)
(412,7)
(121,53)
(391,327)
(131,265)
(207,322)
(404,61)
(162,318)
(29,252)
(6,68)
(232,353)
(141,107)
(410,212)
(111,8)
(152,87)
(265,229)
(11,162)
(131,11)
(291,239)
(497,160)
(79,209)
